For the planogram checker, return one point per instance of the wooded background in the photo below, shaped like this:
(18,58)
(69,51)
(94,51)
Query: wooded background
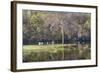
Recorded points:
(59,27)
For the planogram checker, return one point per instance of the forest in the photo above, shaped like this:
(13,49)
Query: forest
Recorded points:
(56,32)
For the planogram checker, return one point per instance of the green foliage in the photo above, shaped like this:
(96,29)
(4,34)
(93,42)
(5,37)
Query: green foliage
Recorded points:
(37,22)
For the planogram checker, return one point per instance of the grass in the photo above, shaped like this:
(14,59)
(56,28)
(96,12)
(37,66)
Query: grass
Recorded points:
(36,53)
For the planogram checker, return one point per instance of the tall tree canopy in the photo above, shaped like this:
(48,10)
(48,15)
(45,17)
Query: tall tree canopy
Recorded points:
(45,25)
